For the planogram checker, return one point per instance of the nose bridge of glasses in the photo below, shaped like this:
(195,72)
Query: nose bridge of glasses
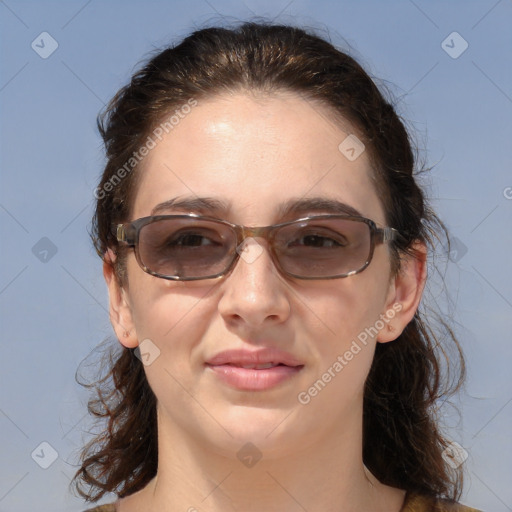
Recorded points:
(250,254)
(248,232)
(254,232)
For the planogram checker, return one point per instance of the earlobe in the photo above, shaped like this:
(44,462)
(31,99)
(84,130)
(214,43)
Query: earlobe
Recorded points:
(119,306)
(405,292)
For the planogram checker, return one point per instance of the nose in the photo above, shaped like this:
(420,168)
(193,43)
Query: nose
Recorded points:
(255,294)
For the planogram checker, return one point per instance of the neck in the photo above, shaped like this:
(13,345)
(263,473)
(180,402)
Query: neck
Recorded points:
(327,475)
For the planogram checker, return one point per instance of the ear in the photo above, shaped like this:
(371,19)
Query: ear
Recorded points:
(119,308)
(405,292)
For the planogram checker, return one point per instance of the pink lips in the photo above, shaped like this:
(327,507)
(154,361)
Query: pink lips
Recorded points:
(267,368)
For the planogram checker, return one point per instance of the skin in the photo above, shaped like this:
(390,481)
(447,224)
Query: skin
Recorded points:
(257,152)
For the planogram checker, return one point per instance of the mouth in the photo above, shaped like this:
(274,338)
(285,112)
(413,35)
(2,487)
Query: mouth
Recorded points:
(255,377)
(251,359)
(263,366)
(254,370)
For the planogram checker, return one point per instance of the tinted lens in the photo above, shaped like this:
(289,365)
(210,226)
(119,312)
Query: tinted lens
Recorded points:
(323,247)
(186,247)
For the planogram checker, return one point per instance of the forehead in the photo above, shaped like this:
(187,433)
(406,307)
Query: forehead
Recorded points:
(253,157)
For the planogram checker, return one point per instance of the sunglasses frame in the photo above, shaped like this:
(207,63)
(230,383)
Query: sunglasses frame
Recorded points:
(128,234)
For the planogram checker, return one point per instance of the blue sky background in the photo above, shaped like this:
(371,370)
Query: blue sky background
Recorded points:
(54,312)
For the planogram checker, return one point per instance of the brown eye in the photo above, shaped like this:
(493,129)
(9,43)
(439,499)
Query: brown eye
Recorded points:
(320,241)
(190,240)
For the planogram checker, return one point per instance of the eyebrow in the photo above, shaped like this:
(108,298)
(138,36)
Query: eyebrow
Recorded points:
(203,205)
(212,206)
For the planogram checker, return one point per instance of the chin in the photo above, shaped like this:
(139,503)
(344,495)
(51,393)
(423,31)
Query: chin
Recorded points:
(273,430)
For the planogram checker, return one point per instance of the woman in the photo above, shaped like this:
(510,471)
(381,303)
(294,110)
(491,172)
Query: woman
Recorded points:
(264,244)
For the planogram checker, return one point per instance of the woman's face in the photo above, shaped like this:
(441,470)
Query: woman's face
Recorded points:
(256,155)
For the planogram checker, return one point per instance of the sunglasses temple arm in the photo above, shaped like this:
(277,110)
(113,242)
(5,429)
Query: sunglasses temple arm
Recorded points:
(124,235)
(387,235)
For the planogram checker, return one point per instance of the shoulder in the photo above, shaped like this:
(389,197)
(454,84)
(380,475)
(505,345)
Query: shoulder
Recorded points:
(103,508)
(418,503)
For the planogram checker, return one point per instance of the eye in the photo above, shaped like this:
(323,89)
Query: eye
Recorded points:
(194,238)
(319,241)
(189,240)
(318,238)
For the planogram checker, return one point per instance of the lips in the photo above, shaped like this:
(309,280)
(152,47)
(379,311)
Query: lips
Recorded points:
(257,359)
(254,370)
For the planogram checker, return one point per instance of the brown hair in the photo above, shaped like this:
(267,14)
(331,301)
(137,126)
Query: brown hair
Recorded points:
(402,444)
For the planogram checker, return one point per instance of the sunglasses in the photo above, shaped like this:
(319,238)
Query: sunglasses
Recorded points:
(192,247)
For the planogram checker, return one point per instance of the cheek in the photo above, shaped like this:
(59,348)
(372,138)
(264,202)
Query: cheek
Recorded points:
(345,319)
(343,347)
(169,313)
(171,323)
(340,313)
